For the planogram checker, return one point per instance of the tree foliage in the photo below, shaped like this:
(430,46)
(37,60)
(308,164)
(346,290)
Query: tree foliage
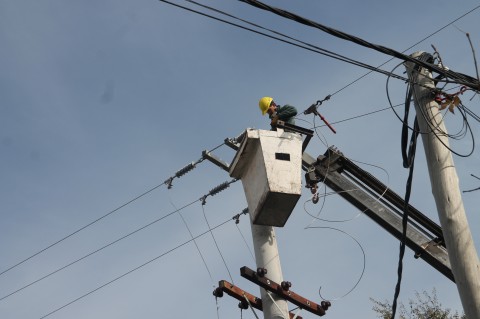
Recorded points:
(425,306)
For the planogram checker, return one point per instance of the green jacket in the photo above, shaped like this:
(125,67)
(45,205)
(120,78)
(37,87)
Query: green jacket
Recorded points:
(286,113)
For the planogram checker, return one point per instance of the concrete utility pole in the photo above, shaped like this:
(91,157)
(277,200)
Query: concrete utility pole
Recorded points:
(444,181)
(266,256)
(269,165)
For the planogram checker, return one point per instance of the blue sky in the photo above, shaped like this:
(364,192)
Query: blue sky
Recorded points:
(102,100)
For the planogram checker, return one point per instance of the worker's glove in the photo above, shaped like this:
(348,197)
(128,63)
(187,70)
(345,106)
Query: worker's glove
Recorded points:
(274,121)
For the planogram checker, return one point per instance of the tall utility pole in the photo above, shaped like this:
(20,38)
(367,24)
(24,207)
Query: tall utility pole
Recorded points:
(267,257)
(269,165)
(444,181)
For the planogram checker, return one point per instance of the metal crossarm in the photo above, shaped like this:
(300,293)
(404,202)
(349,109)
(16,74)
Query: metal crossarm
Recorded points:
(243,296)
(283,291)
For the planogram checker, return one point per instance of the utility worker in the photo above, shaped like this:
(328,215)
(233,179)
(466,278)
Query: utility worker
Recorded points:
(276,112)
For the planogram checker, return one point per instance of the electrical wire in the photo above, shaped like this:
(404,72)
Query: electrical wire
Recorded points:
(363,267)
(245,241)
(195,242)
(305,46)
(475,189)
(316,217)
(212,192)
(435,129)
(216,244)
(134,269)
(456,77)
(361,115)
(167,182)
(81,228)
(408,155)
(98,250)
(412,46)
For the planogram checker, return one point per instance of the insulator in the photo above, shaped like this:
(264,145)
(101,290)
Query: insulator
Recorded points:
(325,304)
(243,304)
(185,170)
(218,292)
(286,285)
(220,188)
(261,271)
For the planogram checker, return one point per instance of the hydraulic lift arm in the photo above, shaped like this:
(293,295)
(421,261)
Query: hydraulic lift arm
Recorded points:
(379,203)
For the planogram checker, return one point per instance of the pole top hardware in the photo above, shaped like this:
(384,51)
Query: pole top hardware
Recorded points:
(283,290)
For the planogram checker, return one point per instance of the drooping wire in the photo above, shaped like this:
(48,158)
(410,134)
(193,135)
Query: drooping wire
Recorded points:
(338,192)
(250,306)
(237,220)
(135,269)
(317,217)
(434,129)
(363,267)
(475,189)
(216,244)
(404,225)
(195,242)
(408,155)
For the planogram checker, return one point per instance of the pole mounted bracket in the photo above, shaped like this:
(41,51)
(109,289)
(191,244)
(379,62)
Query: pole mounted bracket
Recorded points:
(283,290)
(297,129)
(244,297)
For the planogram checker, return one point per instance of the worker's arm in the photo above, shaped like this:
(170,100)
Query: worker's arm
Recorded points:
(285,112)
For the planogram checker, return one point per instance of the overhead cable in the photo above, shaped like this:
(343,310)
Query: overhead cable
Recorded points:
(363,266)
(81,228)
(196,245)
(135,269)
(216,245)
(412,46)
(305,46)
(110,244)
(168,182)
(97,250)
(457,77)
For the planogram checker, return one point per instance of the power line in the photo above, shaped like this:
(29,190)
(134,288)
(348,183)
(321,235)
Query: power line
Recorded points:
(196,245)
(413,45)
(216,244)
(116,241)
(309,46)
(81,228)
(135,269)
(167,182)
(361,115)
(97,250)
(304,45)
(458,77)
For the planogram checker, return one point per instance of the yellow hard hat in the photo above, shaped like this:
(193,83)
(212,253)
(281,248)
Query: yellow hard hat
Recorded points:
(264,104)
